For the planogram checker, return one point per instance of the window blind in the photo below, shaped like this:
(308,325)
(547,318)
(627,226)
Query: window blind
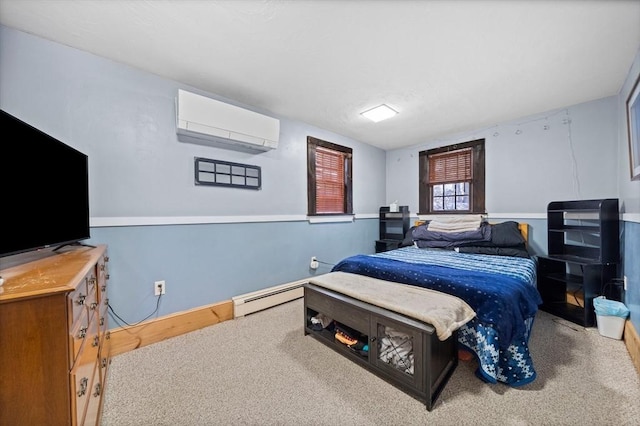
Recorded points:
(450,167)
(329,181)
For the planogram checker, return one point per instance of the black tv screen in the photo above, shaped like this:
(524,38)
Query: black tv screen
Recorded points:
(45,190)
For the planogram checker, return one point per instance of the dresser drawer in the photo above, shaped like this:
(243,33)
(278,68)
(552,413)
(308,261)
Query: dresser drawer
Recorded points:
(91,281)
(80,333)
(83,371)
(94,400)
(103,318)
(105,357)
(93,306)
(78,298)
(81,384)
(103,277)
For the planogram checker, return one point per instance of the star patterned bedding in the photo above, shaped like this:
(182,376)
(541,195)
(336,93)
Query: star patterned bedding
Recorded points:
(500,289)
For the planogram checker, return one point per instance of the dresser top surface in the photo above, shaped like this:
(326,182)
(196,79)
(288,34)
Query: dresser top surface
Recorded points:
(57,273)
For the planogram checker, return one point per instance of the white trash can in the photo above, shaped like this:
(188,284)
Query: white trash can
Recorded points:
(610,317)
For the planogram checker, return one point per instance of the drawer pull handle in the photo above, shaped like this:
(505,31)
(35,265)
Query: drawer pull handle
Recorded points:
(108,336)
(101,321)
(107,276)
(106,258)
(96,341)
(104,363)
(98,390)
(83,386)
(92,281)
(80,300)
(82,333)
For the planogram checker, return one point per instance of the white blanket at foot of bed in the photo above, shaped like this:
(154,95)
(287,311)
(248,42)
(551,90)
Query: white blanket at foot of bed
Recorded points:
(444,312)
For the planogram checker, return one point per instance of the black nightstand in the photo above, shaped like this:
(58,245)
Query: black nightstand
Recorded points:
(384,245)
(393,228)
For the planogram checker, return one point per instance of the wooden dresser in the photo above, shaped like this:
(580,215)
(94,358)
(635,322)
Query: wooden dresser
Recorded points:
(54,339)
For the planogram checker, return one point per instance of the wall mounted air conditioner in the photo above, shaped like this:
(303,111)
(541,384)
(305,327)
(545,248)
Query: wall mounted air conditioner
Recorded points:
(206,121)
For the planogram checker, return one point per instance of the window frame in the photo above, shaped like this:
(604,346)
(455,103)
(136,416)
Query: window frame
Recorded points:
(347,155)
(476,186)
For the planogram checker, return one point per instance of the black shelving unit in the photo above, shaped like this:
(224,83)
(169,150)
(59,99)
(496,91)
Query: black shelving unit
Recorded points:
(393,228)
(583,256)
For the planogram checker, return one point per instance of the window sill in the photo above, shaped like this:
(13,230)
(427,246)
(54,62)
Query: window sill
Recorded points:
(331,218)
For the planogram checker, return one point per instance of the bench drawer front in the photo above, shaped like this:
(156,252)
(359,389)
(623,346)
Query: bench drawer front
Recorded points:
(338,310)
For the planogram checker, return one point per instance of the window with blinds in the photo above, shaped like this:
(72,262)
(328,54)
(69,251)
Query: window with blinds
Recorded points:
(449,177)
(329,181)
(450,167)
(329,178)
(452,179)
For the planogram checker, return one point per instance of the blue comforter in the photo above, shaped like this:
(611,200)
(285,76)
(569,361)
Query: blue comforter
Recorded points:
(500,289)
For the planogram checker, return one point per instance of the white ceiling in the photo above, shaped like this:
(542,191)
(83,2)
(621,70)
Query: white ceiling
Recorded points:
(446,66)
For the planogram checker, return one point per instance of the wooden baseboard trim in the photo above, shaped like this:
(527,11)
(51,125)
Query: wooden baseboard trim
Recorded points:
(134,337)
(632,342)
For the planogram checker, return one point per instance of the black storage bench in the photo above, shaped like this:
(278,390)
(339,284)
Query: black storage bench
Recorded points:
(384,336)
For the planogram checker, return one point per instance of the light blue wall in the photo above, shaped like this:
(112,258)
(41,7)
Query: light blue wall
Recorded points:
(631,268)
(629,190)
(630,196)
(577,152)
(124,120)
(204,264)
(559,155)
(566,154)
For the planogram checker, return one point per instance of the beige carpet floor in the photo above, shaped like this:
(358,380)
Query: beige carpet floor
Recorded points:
(263,370)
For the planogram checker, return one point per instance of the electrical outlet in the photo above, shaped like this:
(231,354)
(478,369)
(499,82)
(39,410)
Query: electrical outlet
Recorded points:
(159,287)
(314,263)
(624,283)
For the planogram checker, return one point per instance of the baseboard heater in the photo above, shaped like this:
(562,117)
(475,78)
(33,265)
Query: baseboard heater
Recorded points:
(249,303)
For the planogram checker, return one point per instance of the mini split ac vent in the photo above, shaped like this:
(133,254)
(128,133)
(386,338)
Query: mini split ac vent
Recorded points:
(206,121)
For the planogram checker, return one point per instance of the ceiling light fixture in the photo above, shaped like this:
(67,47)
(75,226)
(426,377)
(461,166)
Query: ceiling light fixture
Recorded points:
(379,113)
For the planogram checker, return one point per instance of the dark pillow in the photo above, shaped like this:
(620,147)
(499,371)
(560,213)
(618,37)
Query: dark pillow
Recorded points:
(506,234)
(408,238)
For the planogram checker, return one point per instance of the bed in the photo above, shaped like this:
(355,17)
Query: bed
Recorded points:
(495,276)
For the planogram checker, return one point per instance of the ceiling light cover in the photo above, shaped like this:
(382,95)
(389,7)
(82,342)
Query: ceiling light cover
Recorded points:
(379,113)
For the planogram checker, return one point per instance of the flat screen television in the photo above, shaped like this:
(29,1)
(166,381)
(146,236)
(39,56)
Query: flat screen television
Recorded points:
(44,190)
